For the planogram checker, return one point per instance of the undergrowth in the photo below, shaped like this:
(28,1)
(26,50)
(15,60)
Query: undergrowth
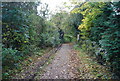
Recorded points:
(94,69)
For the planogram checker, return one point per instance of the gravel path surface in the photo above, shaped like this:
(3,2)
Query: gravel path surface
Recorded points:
(63,66)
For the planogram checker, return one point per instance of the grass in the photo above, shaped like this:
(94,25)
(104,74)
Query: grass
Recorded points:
(95,70)
(28,62)
(41,70)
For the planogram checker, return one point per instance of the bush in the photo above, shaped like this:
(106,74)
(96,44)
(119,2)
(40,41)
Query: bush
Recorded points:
(103,29)
(51,39)
(68,38)
(10,59)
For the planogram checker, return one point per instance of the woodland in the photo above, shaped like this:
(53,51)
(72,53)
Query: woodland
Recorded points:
(93,27)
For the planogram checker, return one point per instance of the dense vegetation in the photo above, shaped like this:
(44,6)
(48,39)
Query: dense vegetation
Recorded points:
(99,30)
(25,31)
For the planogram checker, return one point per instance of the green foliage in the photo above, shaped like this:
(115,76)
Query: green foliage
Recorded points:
(16,24)
(68,38)
(100,31)
(51,39)
(23,33)
(89,11)
(106,35)
(74,21)
(66,21)
(10,59)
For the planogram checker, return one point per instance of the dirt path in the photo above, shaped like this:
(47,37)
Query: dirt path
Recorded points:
(68,63)
(63,66)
